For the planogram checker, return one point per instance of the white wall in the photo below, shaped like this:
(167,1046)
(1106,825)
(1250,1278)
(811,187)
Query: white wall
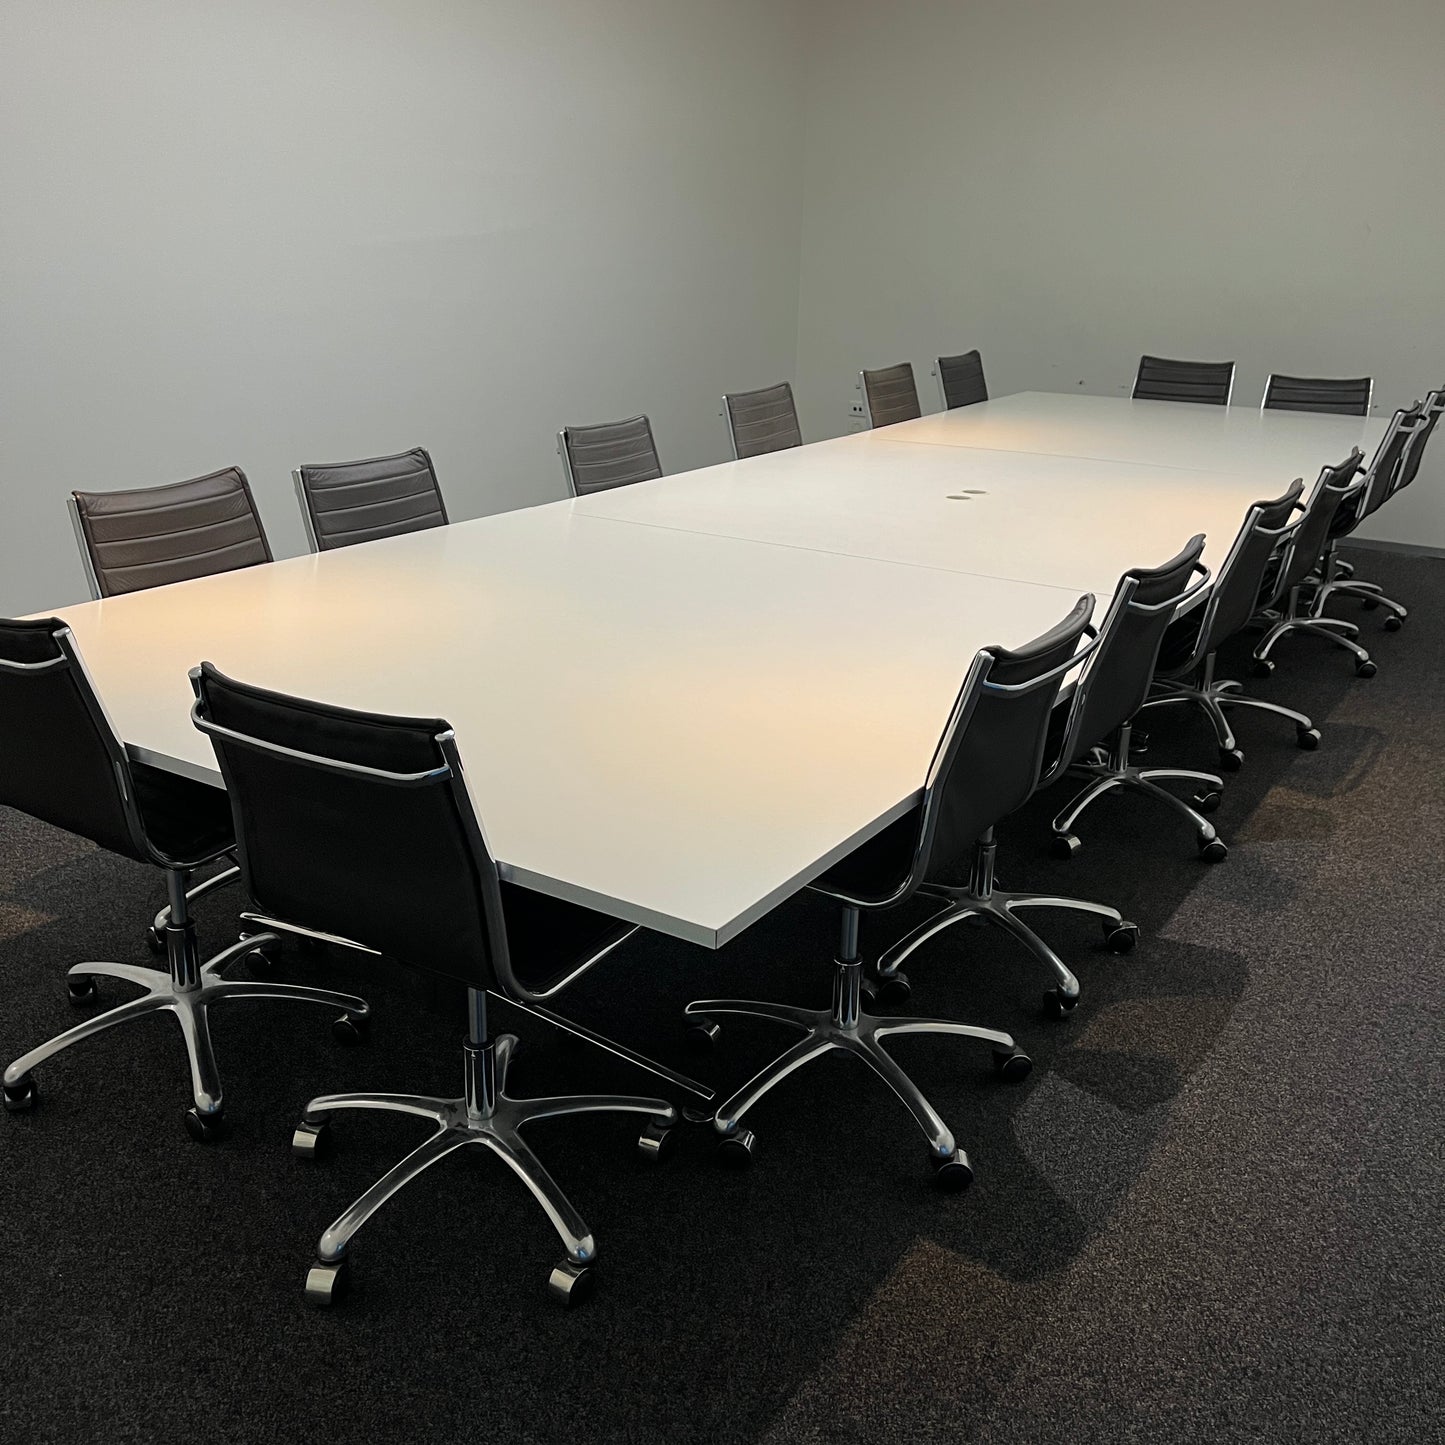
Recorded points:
(1066,185)
(274,231)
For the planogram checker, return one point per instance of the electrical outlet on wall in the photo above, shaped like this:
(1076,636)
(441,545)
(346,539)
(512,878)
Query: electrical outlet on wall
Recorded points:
(857,417)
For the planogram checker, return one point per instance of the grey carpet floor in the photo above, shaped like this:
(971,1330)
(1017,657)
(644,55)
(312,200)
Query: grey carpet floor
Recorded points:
(1215,1211)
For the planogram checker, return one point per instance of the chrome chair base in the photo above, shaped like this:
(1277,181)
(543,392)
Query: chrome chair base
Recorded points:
(488,1116)
(1213,697)
(1300,615)
(1110,768)
(845,1027)
(1369,593)
(188,989)
(981,899)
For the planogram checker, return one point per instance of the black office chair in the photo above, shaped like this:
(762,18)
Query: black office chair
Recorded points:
(610,454)
(1393,467)
(1110,688)
(1160,379)
(152,536)
(1339,396)
(357,829)
(1184,672)
(344,503)
(762,421)
(961,379)
(1186,666)
(985,766)
(889,394)
(61,762)
(1292,606)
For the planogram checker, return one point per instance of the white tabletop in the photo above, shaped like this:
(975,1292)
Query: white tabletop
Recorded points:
(1064,521)
(678,729)
(1271,447)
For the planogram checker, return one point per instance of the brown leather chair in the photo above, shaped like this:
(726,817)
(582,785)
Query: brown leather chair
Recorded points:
(348,502)
(154,535)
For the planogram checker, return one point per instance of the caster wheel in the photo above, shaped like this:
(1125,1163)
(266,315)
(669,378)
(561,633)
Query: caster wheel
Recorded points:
(1057,1005)
(1394,623)
(1207,801)
(657,1142)
(570,1284)
(262,961)
(1365,669)
(1064,845)
(350,1029)
(1231,759)
(1368,604)
(702,1035)
(735,1151)
(1213,850)
(1308,739)
(154,941)
(22,1096)
(889,991)
(311,1141)
(80,988)
(1121,937)
(1262,667)
(953,1175)
(1013,1066)
(205,1128)
(328,1284)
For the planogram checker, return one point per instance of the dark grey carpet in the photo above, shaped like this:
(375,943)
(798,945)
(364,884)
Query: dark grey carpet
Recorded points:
(1213,1213)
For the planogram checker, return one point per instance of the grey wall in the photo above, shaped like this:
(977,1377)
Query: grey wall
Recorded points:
(1066,185)
(282,231)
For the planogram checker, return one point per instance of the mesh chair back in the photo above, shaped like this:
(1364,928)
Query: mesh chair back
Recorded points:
(1342,396)
(155,535)
(349,502)
(1234,597)
(1160,379)
(356,824)
(60,760)
(1415,452)
(1115,680)
(890,394)
(1312,533)
(762,421)
(611,454)
(962,381)
(989,759)
(1384,472)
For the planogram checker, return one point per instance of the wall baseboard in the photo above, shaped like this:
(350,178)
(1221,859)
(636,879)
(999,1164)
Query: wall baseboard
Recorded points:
(1411,548)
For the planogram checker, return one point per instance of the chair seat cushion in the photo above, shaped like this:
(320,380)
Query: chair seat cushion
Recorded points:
(185,821)
(547,936)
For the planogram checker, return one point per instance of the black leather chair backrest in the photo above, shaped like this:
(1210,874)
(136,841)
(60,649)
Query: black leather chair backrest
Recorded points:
(890,394)
(60,760)
(1386,467)
(1307,545)
(989,759)
(349,502)
(610,454)
(1115,680)
(1342,396)
(1160,379)
(355,824)
(1415,452)
(155,535)
(1234,598)
(762,421)
(961,378)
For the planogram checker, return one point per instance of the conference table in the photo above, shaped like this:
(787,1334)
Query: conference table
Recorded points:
(679,702)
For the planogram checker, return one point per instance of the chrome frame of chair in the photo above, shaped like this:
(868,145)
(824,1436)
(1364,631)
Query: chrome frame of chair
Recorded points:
(484,1114)
(305,504)
(86,561)
(845,1026)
